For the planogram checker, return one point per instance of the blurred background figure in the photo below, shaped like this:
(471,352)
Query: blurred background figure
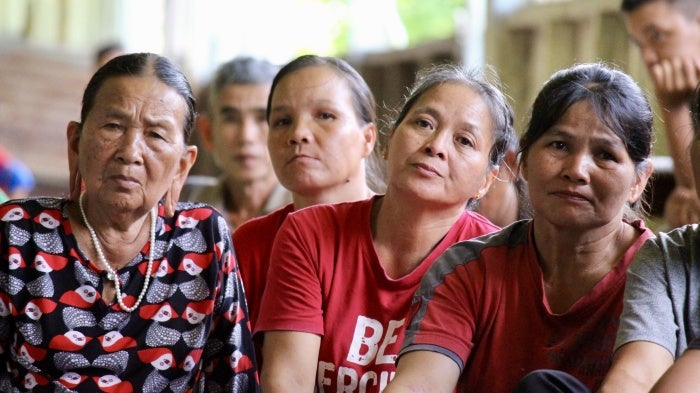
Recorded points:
(234,129)
(506,201)
(16,179)
(667,33)
(107,52)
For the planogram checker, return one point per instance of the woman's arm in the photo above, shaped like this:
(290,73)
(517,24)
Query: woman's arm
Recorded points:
(423,372)
(683,376)
(636,367)
(291,361)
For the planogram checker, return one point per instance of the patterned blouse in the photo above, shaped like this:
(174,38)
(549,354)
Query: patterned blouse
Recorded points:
(57,334)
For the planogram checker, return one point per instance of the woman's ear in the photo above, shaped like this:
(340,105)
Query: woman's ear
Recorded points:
(369,133)
(172,195)
(75,181)
(491,175)
(644,171)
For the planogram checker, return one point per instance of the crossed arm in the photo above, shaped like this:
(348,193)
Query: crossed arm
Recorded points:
(423,372)
(636,367)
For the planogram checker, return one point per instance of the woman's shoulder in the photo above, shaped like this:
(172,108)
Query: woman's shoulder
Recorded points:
(333,211)
(16,209)
(191,214)
(506,238)
(481,221)
(267,224)
(687,236)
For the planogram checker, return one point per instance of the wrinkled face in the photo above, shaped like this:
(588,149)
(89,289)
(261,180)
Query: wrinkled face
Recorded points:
(316,140)
(579,172)
(440,151)
(239,132)
(131,146)
(663,32)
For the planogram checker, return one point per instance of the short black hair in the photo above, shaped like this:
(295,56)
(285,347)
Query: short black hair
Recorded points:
(686,7)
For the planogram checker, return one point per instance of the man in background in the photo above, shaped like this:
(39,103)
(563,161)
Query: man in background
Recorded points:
(234,129)
(667,33)
(107,52)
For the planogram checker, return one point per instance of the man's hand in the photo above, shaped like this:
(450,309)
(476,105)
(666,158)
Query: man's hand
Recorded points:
(675,80)
(682,207)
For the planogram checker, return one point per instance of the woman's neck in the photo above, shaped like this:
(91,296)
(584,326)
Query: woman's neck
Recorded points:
(405,233)
(331,196)
(573,262)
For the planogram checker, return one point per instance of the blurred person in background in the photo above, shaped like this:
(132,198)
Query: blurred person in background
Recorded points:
(107,52)
(16,179)
(667,33)
(234,129)
(506,201)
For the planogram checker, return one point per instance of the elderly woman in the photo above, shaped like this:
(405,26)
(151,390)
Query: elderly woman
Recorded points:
(547,292)
(123,289)
(342,276)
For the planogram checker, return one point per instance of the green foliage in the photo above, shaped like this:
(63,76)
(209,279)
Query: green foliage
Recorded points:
(341,40)
(424,20)
(428,19)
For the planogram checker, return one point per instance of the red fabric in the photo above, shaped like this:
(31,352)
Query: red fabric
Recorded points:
(252,242)
(491,312)
(325,278)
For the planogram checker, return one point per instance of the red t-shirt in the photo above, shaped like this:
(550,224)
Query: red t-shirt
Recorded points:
(325,278)
(252,242)
(483,305)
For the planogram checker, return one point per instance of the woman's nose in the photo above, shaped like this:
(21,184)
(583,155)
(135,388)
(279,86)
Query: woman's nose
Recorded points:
(299,133)
(576,168)
(130,149)
(436,144)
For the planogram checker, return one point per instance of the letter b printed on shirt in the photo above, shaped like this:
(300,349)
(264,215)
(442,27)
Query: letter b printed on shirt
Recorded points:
(370,341)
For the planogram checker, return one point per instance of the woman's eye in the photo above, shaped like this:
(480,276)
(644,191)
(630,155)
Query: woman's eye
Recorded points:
(464,141)
(280,122)
(157,135)
(326,116)
(558,145)
(607,156)
(424,123)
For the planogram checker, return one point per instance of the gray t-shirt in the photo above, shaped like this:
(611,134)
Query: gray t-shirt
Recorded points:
(662,293)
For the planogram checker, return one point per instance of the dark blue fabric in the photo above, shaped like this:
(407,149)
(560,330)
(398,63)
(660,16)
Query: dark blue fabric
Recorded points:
(550,381)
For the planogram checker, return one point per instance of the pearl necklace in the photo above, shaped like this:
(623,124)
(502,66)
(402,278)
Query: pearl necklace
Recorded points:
(111,274)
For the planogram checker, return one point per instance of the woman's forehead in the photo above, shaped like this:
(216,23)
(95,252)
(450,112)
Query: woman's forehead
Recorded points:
(142,91)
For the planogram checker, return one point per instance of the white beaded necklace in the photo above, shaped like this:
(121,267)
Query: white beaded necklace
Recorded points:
(111,274)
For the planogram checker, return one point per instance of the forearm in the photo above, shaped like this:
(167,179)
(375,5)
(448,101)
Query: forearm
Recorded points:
(624,382)
(679,134)
(290,362)
(682,376)
(424,372)
(636,367)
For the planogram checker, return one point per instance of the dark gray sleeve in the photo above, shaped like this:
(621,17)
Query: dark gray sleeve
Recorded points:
(656,294)
(695,344)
